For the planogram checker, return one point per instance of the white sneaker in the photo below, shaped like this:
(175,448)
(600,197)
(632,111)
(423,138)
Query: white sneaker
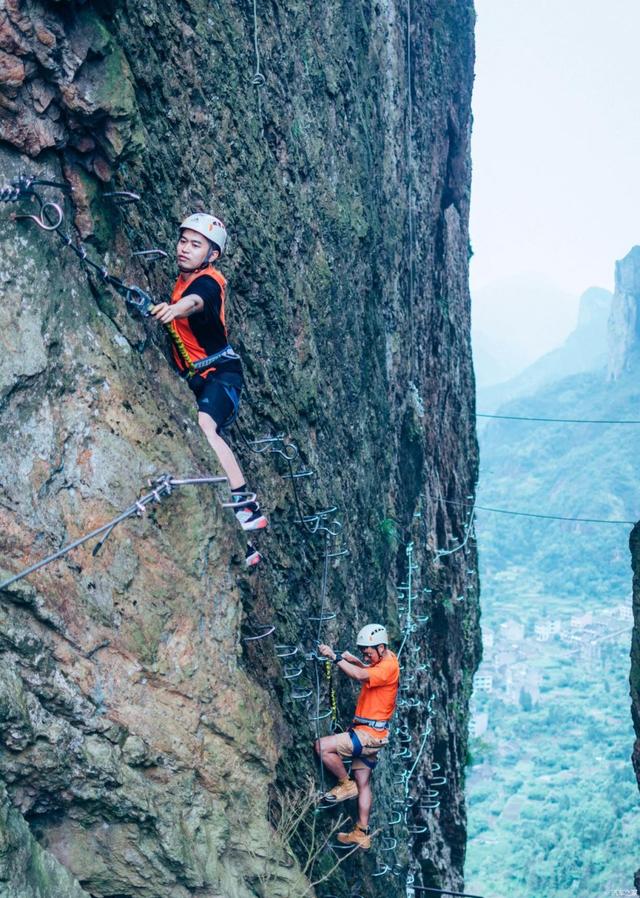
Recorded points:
(251,520)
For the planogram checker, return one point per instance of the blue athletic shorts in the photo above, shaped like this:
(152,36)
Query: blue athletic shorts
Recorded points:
(218,395)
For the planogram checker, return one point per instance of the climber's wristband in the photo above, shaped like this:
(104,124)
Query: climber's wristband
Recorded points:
(338,657)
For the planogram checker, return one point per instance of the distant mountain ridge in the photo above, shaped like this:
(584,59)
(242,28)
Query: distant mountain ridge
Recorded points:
(572,470)
(535,313)
(585,349)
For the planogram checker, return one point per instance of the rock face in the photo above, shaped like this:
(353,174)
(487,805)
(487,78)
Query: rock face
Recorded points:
(624,321)
(149,750)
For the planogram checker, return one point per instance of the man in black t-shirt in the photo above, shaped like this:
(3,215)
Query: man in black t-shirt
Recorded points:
(196,318)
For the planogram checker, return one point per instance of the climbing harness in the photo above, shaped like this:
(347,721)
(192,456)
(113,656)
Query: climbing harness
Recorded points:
(374,724)
(161,486)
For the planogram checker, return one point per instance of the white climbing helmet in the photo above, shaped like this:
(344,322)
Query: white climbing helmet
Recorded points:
(209,226)
(372,635)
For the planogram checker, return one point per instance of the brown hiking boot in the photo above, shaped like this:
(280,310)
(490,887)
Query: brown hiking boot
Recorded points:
(357,836)
(344,790)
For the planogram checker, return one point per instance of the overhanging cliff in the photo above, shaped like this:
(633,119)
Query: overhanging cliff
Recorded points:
(141,736)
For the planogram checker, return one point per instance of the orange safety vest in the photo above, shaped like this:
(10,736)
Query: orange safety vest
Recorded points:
(181,326)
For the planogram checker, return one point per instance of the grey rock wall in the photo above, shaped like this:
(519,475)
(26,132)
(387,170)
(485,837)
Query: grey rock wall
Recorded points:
(624,324)
(141,738)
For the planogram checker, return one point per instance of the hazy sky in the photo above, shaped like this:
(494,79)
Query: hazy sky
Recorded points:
(556,147)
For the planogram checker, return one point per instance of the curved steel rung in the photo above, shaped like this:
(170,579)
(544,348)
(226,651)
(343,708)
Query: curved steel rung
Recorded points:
(285,651)
(151,254)
(42,221)
(268,630)
(334,530)
(429,805)
(399,755)
(319,515)
(297,474)
(338,554)
(289,451)
(321,716)
(292,673)
(266,442)
(122,197)
(388,843)
(382,871)
(417,830)
(323,618)
(248,498)
(299,695)
(437,780)
(407,802)
(395,820)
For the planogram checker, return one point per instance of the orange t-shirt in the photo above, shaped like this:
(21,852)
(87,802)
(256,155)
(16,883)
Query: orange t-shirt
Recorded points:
(377,699)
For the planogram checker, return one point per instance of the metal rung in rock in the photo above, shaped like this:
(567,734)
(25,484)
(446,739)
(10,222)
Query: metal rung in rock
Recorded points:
(321,716)
(151,254)
(388,843)
(267,441)
(286,651)
(296,474)
(299,695)
(267,631)
(382,871)
(397,818)
(291,672)
(241,503)
(320,515)
(123,197)
(324,617)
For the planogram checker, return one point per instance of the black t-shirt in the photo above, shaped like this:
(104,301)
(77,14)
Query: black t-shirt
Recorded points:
(207,325)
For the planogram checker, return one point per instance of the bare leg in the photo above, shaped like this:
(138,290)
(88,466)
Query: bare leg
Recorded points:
(363,779)
(225,456)
(326,751)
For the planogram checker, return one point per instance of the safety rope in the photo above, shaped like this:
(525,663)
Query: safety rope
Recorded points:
(558,420)
(546,517)
(257,79)
(328,672)
(162,486)
(133,295)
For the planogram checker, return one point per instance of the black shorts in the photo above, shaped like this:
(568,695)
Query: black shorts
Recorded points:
(218,395)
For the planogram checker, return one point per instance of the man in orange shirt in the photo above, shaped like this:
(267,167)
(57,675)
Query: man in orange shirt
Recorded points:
(369,732)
